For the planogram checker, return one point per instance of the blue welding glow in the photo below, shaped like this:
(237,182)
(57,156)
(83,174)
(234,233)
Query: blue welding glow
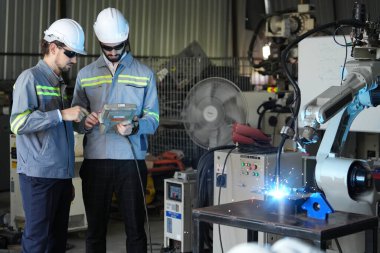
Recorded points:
(279,192)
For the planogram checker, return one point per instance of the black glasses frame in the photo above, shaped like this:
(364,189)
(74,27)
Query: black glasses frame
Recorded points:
(109,48)
(68,53)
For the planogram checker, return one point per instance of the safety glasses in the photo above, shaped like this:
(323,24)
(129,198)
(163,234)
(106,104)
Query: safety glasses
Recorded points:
(117,47)
(68,53)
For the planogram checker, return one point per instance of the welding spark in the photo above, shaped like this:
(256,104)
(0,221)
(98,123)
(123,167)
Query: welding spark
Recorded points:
(279,192)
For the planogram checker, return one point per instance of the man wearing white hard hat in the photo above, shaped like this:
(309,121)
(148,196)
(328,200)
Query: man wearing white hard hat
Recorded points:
(115,160)
(42,119)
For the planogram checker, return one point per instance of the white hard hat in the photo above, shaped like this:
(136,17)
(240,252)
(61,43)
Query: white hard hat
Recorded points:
(111,26)
(69,32)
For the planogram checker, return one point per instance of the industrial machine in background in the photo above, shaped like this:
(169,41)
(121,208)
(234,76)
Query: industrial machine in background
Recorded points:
(274,32)
(347,183)
(77,218)
(279,29)
(180,198)
(241,176)
(290,24)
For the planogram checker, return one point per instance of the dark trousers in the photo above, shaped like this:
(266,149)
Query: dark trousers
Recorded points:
(102,178)
(46,204)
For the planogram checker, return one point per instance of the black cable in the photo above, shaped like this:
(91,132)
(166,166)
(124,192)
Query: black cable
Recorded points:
(142,191)
(345,60)
(278,157)
(346,46)
(263,108)
(274,134)
(202,168)
(253,40)
(334,38)
(205,183)
(264,148)
(220,191)
(338,245)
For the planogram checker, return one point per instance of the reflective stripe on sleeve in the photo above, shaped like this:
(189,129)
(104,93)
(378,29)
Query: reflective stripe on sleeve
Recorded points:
(19,120)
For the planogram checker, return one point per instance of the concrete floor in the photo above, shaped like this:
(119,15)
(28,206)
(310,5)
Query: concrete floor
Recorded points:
(115,236)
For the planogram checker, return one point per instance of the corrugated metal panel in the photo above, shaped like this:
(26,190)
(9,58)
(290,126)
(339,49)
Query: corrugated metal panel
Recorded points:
(157,28)
(161,27)
(22,24)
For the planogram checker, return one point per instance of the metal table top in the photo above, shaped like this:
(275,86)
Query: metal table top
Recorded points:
(252,215)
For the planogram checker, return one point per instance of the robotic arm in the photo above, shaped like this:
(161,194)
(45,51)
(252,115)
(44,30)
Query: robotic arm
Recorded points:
(346,182)
(359,91)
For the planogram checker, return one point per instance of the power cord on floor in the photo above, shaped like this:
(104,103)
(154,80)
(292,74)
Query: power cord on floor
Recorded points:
(143,193)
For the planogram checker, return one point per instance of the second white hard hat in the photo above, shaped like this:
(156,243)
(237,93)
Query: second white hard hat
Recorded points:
(67,31)
(111,26)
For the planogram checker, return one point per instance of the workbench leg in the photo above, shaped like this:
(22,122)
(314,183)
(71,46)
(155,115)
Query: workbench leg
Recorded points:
(252,236)
(320,244)
(197,243)
(371,240)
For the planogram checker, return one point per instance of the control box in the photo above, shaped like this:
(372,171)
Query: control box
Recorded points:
(180,198)
(246,176)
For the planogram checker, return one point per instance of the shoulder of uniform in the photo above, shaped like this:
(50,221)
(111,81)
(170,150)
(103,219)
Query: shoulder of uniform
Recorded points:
(141,66)
(26,78)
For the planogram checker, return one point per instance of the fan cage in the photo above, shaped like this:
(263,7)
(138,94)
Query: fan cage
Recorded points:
(175,77)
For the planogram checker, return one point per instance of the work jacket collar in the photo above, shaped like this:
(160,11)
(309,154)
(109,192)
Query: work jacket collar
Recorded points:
(54,80)
(126,61)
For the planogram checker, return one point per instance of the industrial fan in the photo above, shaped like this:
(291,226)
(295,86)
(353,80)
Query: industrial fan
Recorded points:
(210,109)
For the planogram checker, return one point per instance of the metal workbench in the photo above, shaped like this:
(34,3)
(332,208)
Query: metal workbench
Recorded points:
(253,216)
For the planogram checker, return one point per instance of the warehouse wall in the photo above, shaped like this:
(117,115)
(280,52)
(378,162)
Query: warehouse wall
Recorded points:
(21,25)
(161,27)
(157,28)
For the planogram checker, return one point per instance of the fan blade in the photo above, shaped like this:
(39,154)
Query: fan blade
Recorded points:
(204,89)
(202,135)
(192,114)
(206,93)
(237,117)
(224,93)
(233,112)
(224,135)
